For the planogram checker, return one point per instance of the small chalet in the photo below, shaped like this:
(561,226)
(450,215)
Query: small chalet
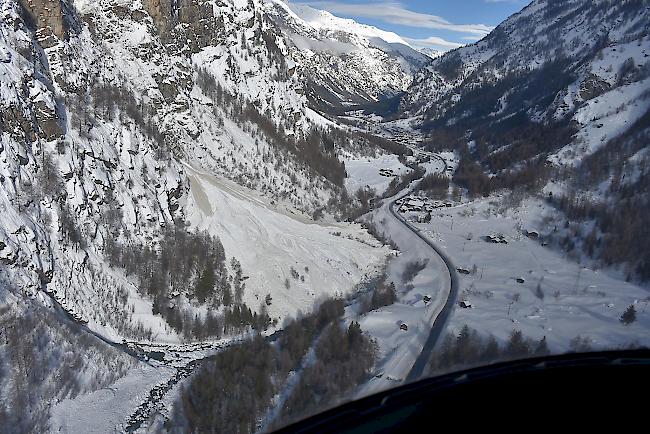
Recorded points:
(413,204)
(496,239)
(533,235)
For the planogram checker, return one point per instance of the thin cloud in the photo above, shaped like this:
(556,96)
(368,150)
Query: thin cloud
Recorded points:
(396,13)
(433,42)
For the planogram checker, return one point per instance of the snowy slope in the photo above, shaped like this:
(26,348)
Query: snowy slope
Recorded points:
(329,257)
(120,120)
(344,62)
(578,63)
(95,124)
(578,299)
(375,172)
(575,299)
(431,52)
(323,20)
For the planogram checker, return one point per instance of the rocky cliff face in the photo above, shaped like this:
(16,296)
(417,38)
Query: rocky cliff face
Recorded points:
(69,170)
(48,18)
(194,20)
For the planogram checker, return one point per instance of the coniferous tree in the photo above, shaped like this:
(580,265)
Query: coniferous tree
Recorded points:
(491,350)
(354,333)
(539,292)
(542,348)
(205,285)
(517,345)
(466,346)
(227,296)
(629,316)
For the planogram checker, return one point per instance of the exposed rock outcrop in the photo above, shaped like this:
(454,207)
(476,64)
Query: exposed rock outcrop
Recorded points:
(48,18)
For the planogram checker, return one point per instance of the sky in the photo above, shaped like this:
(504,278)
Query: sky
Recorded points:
(438,24)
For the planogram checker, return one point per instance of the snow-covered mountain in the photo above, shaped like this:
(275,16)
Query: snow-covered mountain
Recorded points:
(172,170)
(431,52)
(123,120)
(556,100)
(581,65)
(343,62)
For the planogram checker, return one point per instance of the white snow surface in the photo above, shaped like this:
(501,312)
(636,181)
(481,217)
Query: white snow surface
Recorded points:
(365,172)
(398,349)
(320,19)
(349,61)
(604,118)
(268,240)
(588,302)
(105,410)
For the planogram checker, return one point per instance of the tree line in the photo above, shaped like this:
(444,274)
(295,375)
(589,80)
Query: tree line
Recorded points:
(191,264)
(621,233)
(470,349)
(529,177)
(233,390)
(384,294)
(344,357)
(435,185)
(315,149)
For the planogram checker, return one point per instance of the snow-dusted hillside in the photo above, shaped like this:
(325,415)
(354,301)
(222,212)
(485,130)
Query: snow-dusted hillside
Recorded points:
(431,52)
(126,128)
(581,63)
(102,114)
(344,62)
(173,176)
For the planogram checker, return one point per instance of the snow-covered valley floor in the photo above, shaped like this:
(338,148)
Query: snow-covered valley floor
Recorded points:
(399,349)
(270,240)
(106,410)
(498,280)
(502,284)
(374,172)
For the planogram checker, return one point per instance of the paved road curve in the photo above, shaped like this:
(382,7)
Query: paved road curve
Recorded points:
(440,322)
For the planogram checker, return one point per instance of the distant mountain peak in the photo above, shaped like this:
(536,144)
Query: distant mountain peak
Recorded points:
(344,63)
(324,20)
(431,52)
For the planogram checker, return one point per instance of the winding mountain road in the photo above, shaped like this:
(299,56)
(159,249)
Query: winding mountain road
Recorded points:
(158,354)
(440,321)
